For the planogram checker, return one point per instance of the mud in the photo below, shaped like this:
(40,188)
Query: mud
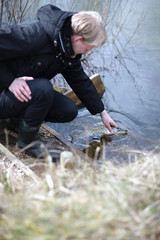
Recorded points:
(9,138)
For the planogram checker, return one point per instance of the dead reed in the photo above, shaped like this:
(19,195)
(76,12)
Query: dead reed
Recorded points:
(85,202)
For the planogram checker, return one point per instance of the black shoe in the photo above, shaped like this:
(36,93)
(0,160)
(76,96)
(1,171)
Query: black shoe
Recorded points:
(30,140)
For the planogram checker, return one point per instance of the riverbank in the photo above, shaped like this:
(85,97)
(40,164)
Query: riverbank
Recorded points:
(86,202)
(8,138)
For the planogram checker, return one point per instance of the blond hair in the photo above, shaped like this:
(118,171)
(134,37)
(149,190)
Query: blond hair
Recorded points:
(89,25)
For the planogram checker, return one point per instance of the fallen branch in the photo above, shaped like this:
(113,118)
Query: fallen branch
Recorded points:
(15,161)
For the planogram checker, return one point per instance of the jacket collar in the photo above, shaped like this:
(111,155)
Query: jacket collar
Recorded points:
(64,36)
(57,24)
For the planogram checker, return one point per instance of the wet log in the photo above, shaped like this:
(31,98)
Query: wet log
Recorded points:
(67,143)
(97,81)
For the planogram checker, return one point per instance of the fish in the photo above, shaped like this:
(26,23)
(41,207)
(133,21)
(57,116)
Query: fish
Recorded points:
(103,131)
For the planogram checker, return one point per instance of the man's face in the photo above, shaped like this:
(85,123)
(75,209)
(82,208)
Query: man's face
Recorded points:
(79,47)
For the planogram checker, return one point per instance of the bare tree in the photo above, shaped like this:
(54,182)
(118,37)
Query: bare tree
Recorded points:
(14,11)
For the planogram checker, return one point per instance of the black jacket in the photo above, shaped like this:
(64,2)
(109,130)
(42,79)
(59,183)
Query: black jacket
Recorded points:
(43,48)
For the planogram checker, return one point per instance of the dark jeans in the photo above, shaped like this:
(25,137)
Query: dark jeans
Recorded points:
(46,105)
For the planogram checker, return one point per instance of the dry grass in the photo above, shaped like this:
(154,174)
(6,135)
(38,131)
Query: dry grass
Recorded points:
(86,202)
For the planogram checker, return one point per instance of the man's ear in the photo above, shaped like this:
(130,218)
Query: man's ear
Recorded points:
(76,38)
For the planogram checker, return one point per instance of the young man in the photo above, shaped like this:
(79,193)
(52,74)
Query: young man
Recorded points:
(31,54)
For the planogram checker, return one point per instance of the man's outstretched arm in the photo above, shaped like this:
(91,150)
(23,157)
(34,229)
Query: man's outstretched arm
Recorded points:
(107,121)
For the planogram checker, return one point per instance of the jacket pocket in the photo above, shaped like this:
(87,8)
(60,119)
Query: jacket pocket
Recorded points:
(38,65)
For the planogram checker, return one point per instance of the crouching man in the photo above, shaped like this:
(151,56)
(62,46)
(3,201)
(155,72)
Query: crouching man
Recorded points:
(33,53)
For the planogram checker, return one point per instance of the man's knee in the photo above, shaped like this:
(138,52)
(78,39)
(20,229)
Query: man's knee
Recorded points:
(61,114)
(72,112)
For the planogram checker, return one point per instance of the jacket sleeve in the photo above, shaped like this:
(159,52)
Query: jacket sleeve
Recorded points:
(83,87)
(20,40)
(16,41)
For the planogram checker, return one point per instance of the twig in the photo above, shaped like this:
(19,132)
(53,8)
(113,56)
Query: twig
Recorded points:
(18,163)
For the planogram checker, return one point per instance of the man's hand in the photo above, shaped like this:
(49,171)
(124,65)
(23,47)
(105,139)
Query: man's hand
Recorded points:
(20,88)
(107,121)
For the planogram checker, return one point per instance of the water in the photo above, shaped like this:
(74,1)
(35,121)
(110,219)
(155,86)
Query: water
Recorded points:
(131,77)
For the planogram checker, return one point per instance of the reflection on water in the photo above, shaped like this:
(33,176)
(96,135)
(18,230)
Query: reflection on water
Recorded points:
(132,82)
